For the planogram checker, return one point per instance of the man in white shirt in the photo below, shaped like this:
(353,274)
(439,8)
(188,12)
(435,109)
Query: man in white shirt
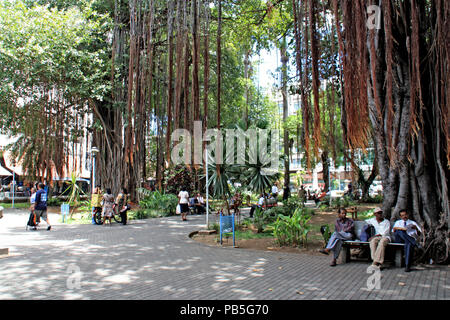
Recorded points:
(381,238)
(259,205)
(406,231)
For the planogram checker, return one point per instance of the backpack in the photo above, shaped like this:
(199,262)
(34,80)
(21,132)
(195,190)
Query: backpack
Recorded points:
(367,232)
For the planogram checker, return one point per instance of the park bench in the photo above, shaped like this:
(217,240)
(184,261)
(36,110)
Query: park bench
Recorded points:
(394,251)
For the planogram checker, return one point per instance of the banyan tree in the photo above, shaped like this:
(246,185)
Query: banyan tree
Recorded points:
(393,71)
(396,72)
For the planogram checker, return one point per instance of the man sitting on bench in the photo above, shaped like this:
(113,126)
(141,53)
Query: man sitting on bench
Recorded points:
(381,238)
(406,231)
(199,204)
(259,205)
(344,230)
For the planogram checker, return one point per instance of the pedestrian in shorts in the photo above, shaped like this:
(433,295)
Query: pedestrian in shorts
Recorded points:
(40,205)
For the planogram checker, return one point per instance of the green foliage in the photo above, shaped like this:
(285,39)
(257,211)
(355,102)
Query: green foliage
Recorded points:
(376,199)
(366,214)
(157,204)
(293,231)
(54,202)
(326,232)
(260,219)
(292,204)
(52,62)
(74,190)
(215,226)
(85,207)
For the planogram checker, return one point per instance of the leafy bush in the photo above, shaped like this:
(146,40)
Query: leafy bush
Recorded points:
(376,199)
(54,202)
(157,204)
(273,213)
(326,232)
(145,214)
(341,202)
(260,219)
(292,204)
(366,214)
(215,226)
(293,231)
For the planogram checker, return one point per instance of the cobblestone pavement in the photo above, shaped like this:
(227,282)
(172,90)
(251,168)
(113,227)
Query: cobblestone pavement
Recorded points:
(156,259)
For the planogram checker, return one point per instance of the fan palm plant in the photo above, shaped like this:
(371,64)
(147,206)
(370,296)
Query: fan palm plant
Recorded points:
(74,191)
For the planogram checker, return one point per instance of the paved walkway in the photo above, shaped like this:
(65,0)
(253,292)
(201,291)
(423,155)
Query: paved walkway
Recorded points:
(155,259)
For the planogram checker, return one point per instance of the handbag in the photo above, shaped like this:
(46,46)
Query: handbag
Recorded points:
(178,210)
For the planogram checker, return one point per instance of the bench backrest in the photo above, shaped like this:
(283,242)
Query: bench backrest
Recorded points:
(359,225)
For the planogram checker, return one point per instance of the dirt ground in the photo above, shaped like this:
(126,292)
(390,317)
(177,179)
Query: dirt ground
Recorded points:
(268,244)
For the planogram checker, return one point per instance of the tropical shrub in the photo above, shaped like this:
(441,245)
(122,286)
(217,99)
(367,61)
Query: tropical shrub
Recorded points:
(292,230)
(54,202)
(260,219)
(292,204)
(157,204)
(326,232)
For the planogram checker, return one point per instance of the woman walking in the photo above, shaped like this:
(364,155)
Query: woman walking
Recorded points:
(108,204)
(183,197)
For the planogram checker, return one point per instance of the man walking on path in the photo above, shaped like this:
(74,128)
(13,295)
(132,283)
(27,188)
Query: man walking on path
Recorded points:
(381,238)
(406,231)
(41,205)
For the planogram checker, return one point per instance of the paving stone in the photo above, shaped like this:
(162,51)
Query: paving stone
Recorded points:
(156,259)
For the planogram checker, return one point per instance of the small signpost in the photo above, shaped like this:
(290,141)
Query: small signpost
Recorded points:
(227,227)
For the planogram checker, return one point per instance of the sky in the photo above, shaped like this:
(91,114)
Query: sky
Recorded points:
(269,64)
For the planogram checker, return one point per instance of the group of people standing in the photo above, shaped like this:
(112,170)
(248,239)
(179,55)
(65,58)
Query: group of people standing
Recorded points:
(404,231)
(110,205)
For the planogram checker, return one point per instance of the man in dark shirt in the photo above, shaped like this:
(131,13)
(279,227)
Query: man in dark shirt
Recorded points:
(344,230)
(40,208)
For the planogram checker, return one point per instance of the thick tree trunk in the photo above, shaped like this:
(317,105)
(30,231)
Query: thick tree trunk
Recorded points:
(411,175)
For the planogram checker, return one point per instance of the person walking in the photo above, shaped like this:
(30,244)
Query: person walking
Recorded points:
(407,231)
(96,201)
(381,238)
(122,204)
(344,230)
(183,200)
(32,218)
(108,204)
(40,208)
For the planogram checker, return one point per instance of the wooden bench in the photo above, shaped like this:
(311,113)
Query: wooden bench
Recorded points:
(345,255)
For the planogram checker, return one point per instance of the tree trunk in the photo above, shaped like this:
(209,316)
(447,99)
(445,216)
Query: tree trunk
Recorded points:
(284,61)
